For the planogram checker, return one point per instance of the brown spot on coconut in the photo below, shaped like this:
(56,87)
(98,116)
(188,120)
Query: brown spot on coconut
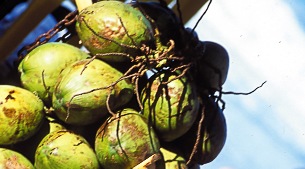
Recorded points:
(20,117)
(113,27)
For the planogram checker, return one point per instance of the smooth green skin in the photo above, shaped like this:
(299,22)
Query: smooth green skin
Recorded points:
(44,64)
(21,114)
(171,159)
(63,149)
(12,159)
(89,107)
(124,142)
(99,24)
(171,108)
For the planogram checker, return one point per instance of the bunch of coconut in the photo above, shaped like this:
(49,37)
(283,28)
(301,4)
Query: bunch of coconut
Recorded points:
(139,94)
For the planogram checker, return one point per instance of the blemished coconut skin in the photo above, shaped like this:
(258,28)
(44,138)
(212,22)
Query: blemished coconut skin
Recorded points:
(126,140)
(170,108)
(40,68)
(21,114)
(63,149)
(10,159)
(74,101)
(28,147)
(113,26)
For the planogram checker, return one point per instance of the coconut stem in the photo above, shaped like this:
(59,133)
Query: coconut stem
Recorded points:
(149,161)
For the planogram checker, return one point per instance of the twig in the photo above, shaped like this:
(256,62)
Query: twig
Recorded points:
(198,137)
(210,2)
(241,93)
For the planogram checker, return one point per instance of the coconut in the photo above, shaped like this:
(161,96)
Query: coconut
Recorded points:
(21,114)
(64,149)
(211,66)
(113,27)
(213,134)
(13,159)
(170,104)
(80,96)
(28,147)
(125,140)
(40,68)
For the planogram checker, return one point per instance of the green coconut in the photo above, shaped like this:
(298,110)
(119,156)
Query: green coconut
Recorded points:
(170,104)
(10,159)
(113,27)
(28,147)
(124,141)
(65,149)
(21,114)
(80,96)
(40,68)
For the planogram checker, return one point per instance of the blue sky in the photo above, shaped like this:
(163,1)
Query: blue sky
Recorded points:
(265,40)
(298,7)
